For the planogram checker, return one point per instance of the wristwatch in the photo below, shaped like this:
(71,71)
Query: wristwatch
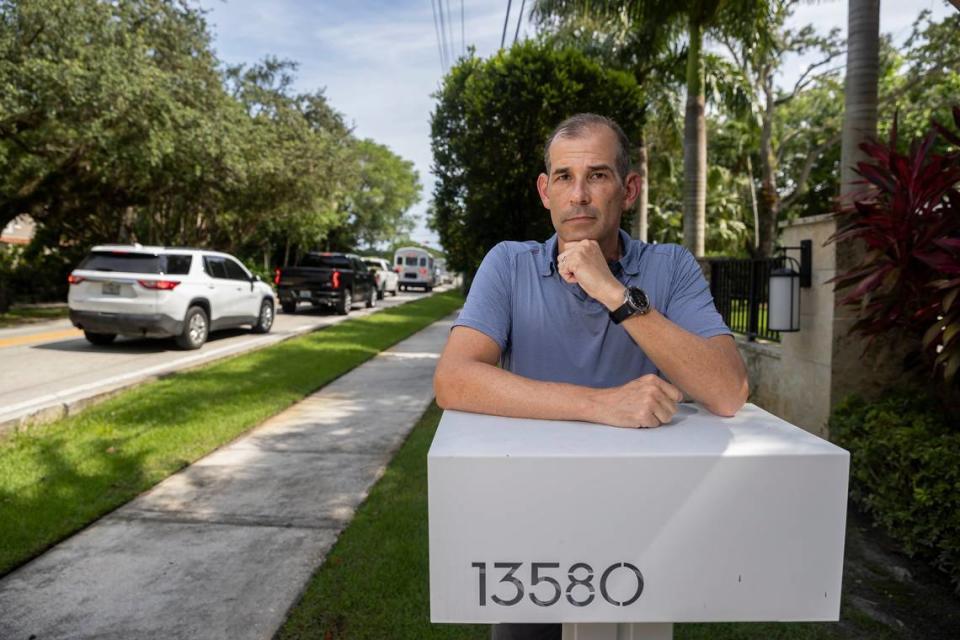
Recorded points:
(635,302)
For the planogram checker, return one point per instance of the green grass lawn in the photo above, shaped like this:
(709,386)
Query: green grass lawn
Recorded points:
(16,316)
(374,583)
(57,478)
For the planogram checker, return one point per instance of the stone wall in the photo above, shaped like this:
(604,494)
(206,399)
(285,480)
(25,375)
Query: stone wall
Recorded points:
(792,379)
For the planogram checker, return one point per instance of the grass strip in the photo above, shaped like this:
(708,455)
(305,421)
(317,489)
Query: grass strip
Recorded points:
(16,316)
(57,478)
(375,581)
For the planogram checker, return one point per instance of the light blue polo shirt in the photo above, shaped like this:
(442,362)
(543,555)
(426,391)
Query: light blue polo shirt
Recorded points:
(550,330)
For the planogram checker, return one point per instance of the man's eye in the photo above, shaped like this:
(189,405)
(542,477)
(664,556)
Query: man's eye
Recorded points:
(598,175)
(563,177)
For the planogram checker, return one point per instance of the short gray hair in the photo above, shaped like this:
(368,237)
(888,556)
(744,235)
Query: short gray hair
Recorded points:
(577,125)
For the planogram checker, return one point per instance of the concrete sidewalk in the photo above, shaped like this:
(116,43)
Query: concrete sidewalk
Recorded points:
(225,547)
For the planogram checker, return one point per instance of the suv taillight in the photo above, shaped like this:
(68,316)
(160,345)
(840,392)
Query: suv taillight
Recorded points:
(72,279)
(423,271)
(336,279)
(162,285)
(276,276)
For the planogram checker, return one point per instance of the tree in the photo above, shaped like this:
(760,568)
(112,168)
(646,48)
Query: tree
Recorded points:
(745,20)
(377,205)
(758,64)
(487,134)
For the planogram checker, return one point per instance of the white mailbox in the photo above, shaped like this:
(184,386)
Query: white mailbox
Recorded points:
(705,519)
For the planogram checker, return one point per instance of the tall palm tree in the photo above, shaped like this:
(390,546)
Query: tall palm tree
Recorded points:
(860,89)
(741,19)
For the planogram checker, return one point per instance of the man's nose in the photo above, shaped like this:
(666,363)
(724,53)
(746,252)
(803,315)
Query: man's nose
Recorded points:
(579,193)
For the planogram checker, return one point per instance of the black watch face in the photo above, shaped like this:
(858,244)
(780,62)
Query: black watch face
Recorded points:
(638,299)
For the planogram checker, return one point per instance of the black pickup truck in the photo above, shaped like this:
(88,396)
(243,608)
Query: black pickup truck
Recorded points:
(334,279)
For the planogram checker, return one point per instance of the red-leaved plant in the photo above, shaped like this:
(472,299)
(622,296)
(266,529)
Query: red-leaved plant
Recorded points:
(909,278)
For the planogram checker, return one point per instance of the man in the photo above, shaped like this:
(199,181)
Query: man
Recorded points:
(586,325)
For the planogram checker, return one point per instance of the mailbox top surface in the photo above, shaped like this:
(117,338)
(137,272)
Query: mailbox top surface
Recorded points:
(693,432)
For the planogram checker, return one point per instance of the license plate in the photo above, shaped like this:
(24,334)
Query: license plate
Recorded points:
(410,276)
(111,289)
(305,295)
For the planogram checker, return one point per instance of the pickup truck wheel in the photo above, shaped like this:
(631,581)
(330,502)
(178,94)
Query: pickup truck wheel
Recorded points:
(99,338)
(265,319)
(372,298)
(345,302)
(289,307)
(196,327)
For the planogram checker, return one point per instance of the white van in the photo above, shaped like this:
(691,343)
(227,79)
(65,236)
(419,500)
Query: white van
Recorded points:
(415,268)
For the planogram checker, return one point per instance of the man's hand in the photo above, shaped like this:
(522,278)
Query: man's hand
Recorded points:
(583,263)
(648,401)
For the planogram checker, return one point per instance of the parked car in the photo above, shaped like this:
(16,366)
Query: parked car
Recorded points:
(161,292)
(339,280)
(415,268)
(387,279)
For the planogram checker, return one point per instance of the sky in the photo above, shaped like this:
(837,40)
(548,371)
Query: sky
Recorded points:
(379,60)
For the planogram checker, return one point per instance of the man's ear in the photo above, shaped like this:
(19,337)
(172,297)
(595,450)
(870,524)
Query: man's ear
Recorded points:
(542,190)
(632,186)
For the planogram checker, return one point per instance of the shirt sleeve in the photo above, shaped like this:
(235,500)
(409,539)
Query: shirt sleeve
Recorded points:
(487,308)
(690,304)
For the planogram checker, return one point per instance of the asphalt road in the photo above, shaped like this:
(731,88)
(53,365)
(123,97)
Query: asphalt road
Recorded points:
(49,370)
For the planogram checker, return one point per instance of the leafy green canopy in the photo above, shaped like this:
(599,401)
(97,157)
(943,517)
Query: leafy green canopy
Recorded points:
(118,123)
(487,133)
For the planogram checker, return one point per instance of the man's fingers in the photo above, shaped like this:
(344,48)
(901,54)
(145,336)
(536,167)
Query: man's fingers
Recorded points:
(668,389)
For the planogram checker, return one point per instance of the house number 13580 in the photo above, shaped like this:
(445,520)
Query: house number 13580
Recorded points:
(579,590)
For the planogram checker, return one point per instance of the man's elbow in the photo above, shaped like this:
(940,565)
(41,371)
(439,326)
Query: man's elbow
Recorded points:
(732,401)
(443,386)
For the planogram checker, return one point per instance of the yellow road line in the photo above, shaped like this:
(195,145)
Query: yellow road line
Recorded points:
(48,336)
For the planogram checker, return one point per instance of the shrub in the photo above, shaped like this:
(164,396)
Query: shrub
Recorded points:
(905,471)
(909,278)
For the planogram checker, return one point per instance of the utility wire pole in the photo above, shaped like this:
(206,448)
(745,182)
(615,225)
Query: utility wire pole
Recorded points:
(506,20)
(463,37)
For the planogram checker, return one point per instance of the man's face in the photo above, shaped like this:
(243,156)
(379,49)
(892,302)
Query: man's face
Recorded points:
(583,192)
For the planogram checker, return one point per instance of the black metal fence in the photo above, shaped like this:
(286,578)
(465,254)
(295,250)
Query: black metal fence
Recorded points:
(741,291)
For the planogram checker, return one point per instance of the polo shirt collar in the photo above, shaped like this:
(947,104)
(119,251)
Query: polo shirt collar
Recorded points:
(629,261)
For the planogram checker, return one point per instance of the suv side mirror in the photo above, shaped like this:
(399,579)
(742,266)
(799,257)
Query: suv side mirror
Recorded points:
(257,278)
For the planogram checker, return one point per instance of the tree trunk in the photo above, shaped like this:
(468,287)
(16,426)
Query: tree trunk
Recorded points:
(695,148)
(860,90)
(769,201)
(641,222)
(753,207)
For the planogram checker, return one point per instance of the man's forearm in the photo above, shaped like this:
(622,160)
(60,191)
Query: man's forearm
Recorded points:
(483,388)
(710,375)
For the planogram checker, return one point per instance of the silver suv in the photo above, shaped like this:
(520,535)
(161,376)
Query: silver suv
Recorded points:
(160,292)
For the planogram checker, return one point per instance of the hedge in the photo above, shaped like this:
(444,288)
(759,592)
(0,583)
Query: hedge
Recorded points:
(905,471)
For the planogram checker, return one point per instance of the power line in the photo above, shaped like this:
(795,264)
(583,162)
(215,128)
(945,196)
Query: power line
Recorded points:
(436,29)
(519,20)
(506,19)
(450,28)
(443,35)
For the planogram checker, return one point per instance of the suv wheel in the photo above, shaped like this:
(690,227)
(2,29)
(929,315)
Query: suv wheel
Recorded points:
(99,338)
(265,319)
(289,307)
(373,297)
(345,302)
(196,327)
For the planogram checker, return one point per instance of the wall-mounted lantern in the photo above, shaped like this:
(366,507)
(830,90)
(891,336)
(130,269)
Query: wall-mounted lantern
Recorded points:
(783,311)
